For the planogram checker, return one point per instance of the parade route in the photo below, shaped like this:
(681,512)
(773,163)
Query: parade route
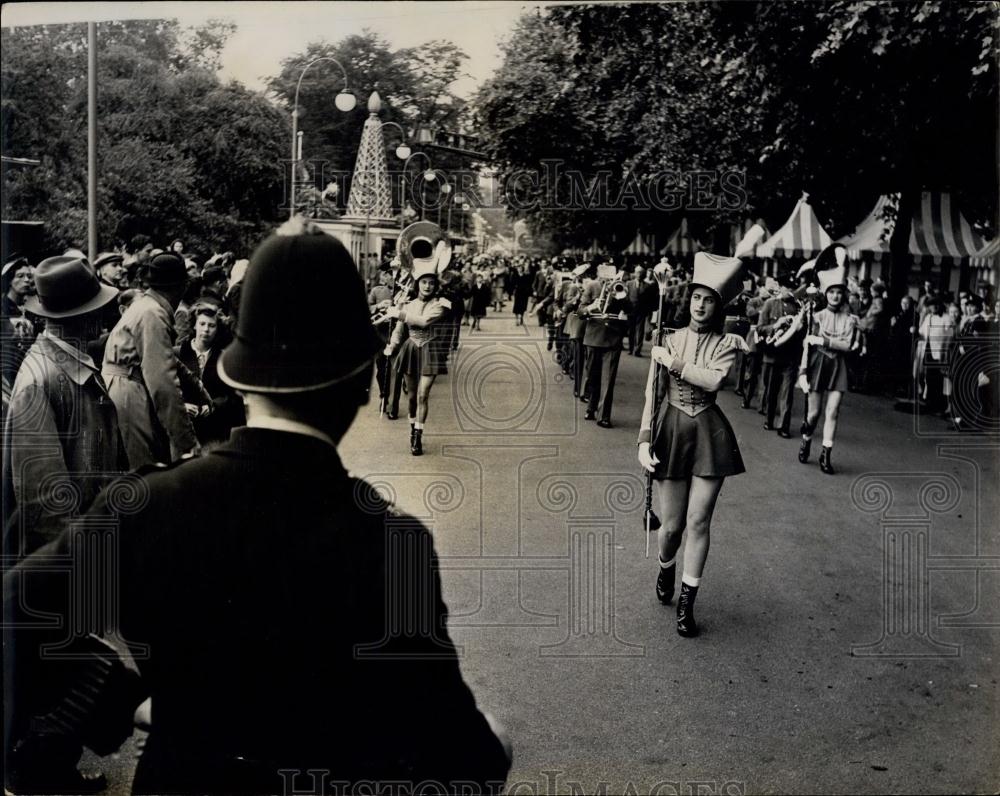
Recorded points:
(787,689)
(584,666)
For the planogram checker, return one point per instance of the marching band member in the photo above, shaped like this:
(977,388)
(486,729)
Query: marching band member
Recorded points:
(832,334)
(780,361)
(606,326)
(422,335)
(687,443)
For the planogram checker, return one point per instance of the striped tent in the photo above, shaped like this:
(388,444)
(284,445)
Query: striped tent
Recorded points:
(873,233)
(940,230)
(986,262)
(988,255)
(681,243)
(801,235)
(643,243)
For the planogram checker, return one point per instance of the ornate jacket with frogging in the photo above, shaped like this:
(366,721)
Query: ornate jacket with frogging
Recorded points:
(839,331)
(704,359)
(417,320)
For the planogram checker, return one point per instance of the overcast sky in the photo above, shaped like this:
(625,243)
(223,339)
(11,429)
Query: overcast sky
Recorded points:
(271,31)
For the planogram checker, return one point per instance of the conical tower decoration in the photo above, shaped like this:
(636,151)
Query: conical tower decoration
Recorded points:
(371,196)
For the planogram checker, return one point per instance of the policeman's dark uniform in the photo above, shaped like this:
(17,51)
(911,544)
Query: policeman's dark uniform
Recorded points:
(293,619)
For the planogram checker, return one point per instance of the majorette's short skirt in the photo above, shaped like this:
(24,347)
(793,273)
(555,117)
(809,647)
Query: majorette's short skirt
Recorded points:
(429,359)
(827,373)
(703,445)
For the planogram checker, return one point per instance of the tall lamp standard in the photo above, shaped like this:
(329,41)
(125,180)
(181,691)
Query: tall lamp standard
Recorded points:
(345,101)
(429,175)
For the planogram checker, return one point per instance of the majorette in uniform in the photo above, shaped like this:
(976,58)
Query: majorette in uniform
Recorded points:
(832,333)
(689,446)
(422,335)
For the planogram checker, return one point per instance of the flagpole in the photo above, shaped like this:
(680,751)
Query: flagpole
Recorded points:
(92,141)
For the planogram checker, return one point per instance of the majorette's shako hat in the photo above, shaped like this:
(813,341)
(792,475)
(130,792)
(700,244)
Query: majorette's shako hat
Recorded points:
(67,286)
(304,322)
(830,268)
(721,274)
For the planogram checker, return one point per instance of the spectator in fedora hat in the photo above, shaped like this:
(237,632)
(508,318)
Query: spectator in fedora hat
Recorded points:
(238,556)
(59,391)
(140,369)
(61,441)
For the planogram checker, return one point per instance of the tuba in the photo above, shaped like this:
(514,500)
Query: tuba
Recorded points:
(424,249)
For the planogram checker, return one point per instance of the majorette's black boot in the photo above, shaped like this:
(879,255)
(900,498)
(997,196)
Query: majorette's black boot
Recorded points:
(416,446)
(686,626)
(824,461)
(806,445)
(413,431)
(665,584)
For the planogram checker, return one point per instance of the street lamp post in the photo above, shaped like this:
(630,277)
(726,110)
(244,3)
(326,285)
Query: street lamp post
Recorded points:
(427,178)
(345,101)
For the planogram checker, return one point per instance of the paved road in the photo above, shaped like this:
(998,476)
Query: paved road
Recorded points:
(850,623)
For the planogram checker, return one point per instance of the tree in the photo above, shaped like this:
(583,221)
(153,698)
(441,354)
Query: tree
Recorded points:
(181,155)
(846,100)
(413,84)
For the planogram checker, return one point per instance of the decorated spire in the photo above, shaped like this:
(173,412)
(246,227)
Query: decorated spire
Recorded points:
(370,195)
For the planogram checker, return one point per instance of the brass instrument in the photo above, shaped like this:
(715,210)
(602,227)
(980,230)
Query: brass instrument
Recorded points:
(424,248)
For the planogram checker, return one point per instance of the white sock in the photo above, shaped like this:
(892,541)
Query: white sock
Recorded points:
(667,564)
(413,420)
(418,425)
(690,580)
(827,443)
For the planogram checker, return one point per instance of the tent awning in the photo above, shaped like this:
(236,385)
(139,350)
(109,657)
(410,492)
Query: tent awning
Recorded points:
(643,243)
(988,255)
(872,235)
(681,242)
(800,236)
(938,230)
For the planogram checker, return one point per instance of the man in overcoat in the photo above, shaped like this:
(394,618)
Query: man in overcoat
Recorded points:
(140,369)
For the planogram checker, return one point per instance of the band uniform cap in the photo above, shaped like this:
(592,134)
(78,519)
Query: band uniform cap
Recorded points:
(721,274)
(166,270)
(304,321)
(66,286)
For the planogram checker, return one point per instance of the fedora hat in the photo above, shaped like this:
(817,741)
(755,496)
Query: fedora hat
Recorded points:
(166,270)
(304,322)
(67,286)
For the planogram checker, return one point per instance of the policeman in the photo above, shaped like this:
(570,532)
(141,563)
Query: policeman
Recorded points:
(292,620)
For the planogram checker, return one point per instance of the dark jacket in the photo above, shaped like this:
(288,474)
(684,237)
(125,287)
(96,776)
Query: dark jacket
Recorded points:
(773,310)
(291,620)
(227,404)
